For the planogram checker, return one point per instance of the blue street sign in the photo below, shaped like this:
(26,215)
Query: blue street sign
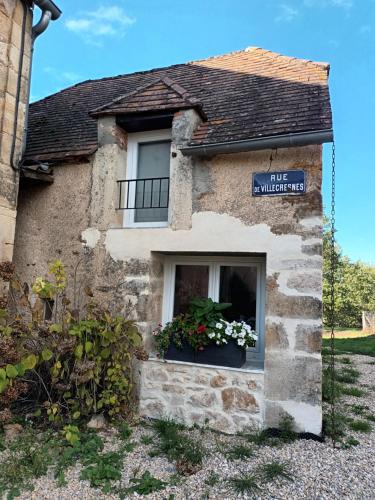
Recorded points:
(285,182)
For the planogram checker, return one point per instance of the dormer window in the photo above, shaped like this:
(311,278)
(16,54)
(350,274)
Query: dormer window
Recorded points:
(145,192)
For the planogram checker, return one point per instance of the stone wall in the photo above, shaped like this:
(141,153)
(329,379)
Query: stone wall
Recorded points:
(211,212)
(50,221)
(228,400)
(11,16)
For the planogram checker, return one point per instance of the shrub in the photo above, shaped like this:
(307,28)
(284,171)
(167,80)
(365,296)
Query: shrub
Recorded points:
(76,366)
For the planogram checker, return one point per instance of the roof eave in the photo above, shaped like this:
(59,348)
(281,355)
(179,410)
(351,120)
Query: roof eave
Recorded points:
(270,142)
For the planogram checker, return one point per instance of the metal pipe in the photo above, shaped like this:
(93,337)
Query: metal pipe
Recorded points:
(269,142)
(42,25)
(48,5)
(13,164)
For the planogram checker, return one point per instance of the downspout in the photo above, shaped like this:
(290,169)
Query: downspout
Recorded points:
(258,143)
(49,11)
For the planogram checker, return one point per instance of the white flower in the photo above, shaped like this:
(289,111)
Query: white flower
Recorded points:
(217,342)
(225,341)
(241,342)
(219,326)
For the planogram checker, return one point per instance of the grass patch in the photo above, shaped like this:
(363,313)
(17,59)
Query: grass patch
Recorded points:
(104,469)
(275,470)
(370,417)
(212,480)
(359,345)
(176,445)
(350,442)
(347,375)
(360,426)
(146,440)
(345,361)
(239,452)
(146,484)
(358,409)
(352,391)
(247,483)
(335,429)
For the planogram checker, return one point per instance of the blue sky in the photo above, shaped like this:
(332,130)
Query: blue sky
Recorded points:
(96,38)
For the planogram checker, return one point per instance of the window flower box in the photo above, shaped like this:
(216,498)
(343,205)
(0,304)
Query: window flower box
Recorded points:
(203,336)
(184,352)
(230,354)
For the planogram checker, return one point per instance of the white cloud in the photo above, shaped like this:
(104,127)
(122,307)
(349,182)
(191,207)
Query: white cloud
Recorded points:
(344,4)
(287,14)
(104,21)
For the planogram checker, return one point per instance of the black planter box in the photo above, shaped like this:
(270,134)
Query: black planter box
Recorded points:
(186,353)
(229,354)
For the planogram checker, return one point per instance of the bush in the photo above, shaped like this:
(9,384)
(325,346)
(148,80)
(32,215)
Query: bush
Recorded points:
(76,366)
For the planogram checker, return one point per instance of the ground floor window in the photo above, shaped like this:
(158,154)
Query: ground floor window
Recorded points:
(237,280)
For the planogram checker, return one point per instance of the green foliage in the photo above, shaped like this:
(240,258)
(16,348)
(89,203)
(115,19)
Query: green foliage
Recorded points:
(360,426)
(355,287)
(74,367)
(275,470)
(212,479)
(335,428)
(350,442)
(286,427)
(360,345)
(124,431)
(352,391)
(176,445)
(71,434)
(146,484)
(246,483)
(347,375)
(239,452)
(358,409)
(105,469)
(331,390)
(146,440)
(206,311)
(345,361)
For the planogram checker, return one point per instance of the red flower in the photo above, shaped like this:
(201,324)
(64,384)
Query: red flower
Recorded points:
(201,329)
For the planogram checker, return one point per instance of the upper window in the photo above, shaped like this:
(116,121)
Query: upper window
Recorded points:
(146,188)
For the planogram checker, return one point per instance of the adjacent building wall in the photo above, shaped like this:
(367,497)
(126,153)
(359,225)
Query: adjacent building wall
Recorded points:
(11,16)
(212,211)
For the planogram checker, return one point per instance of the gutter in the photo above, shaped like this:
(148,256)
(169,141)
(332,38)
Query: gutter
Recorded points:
(258,143)
(50,11)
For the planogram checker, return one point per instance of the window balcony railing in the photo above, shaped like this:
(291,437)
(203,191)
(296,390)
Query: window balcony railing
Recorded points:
(137,194)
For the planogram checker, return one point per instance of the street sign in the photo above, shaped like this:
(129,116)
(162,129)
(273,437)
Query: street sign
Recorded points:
(283,183)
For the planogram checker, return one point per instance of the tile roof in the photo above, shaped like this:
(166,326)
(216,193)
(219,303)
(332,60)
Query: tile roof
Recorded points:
(162,94)
(246,94)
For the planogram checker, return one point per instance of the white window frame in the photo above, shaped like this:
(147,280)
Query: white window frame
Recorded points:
(134,140)
(214,262)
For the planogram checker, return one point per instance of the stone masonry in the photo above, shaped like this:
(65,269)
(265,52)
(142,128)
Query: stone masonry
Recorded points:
(11,17)
(227,400)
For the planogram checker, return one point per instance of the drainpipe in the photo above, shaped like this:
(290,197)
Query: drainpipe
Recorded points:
(269,142)
(49,12)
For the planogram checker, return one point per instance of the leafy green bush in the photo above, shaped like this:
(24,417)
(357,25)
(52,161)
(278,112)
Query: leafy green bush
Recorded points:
(76,366)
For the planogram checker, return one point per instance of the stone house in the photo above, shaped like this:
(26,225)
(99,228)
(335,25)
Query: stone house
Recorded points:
(156,174)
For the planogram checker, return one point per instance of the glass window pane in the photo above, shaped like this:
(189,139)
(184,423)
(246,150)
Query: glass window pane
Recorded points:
(153,161)
(191,281)
(238,285)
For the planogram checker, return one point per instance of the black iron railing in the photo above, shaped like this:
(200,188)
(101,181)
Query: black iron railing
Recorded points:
(134,194)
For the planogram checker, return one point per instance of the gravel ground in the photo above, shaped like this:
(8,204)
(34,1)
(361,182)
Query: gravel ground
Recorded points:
(318,470)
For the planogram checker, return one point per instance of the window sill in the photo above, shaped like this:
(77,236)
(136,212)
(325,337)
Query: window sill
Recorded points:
(151,225)
(249,367)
